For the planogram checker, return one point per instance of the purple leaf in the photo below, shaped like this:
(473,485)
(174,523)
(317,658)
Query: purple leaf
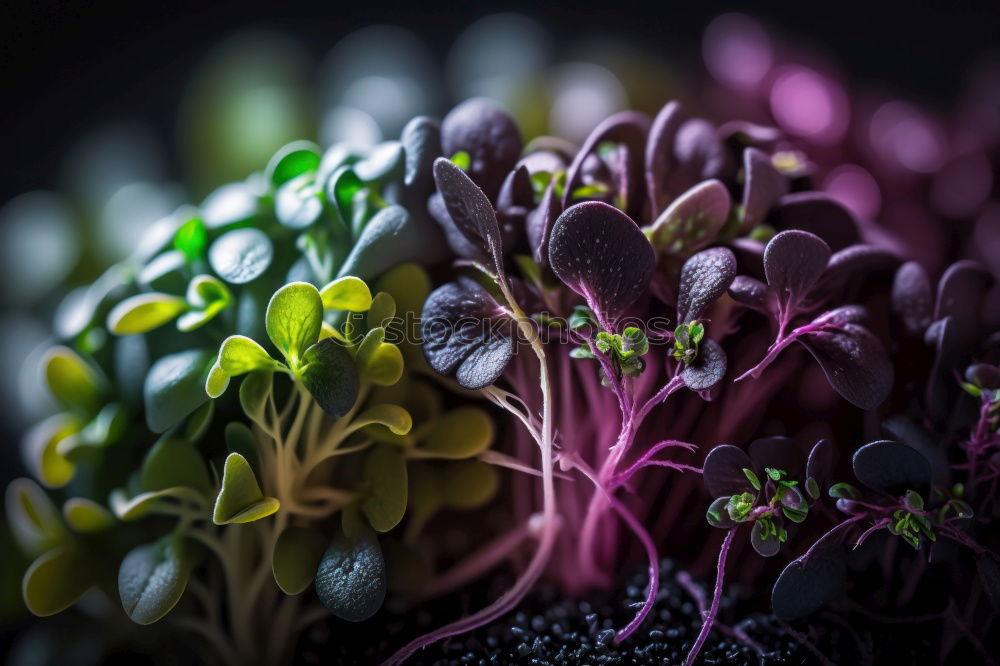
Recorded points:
(704,277)
(457,241)
(692,221)
(660,160)
(764,187)
(852,264)
(723,471)
(700,155)
(516,198)
(489,135)
(941,386)
(914,435)
(793,261)
(817,213)
(466,333)
(819,465)
(626,127)
(539,225)
(707,369)
(891,467)
(960,295)
(740,133)
(811,581)
(749,292)
(854,362)
(911,297)
(470,210)
(765,547)
(599,253)
(777,452)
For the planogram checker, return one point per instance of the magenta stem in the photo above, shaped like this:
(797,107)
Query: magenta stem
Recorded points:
(654,569)
(709,620)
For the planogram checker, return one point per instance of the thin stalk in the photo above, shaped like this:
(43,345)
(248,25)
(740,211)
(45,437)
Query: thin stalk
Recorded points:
(709,620)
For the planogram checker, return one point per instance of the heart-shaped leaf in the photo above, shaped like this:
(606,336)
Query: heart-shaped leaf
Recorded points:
(723,471)
(704,277)
(346,293)
(330,375)
(471,211)
(175,387)
(384,473)
(891,467)
(854,362)
(297,553)
(70,379)
(466,333)
(240,500)
(463,432)
(811,581)
(152,578)
(171,463)
(294,319)
(764,187)
(393,417)
(479,127)
(692,221)
(793,261)
(707,369)
(87,516)
(350,579)
(291,160)
(55,581)
(32,518)
(912,301)
(599,253)
(241,255)
(240,355)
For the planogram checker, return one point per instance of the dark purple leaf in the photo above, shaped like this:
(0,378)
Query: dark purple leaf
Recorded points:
(912,434)
(960,295)
(853,264)
(704,277)
(470,210)
(765,547)
(811,581)
(599,253)
(516,194)
(943,335)
(749,256)
(854,362)
(458,243)
(891,467)
(748,291)
(707,369)
(660,160)
(819,465)
(819,214)
(466,333)
(845,314)
(779,453)
(699,154)
(539,225)
(911,297)
(793,261)
(764,187)
(479,127)
(626,127)
(723,471)
(740,133)
(983,375)
(692,221)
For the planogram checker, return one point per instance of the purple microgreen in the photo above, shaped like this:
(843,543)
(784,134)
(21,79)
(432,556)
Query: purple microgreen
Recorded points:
(538,224)
(793,261)
(960,295)
(471,211)
(490,137)
(704,277)
(699,155)
(945,338)
(723,471)
(466,333)
(659,154)
(780,455)
(742,134)
(852,264)
(819,467)
(906,431)
(811,581)
(854,362)
(692,221)
(891,467)
(764,187)
(718,513)
(765,537)
(912,301)
(749,292)
(599,253)
(707,369)
(819,214)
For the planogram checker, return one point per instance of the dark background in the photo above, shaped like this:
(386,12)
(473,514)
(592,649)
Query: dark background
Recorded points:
(65,66)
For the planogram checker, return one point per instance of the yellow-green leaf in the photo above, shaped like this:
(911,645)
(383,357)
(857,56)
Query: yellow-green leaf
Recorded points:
(72,381)
(32,518)
(385,474)
(294,319)
(239,355)
(382,311)
(86,516)
(393,417)
(144,312)
(241,500)
(461,433)
(347,293)
(55,581)
(297,553)
(469,484)
(41,447)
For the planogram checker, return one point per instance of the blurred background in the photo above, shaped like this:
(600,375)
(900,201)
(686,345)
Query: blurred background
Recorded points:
(116,113)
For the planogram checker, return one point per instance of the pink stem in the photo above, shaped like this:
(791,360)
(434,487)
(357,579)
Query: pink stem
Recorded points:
(706,626)
(654,570)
